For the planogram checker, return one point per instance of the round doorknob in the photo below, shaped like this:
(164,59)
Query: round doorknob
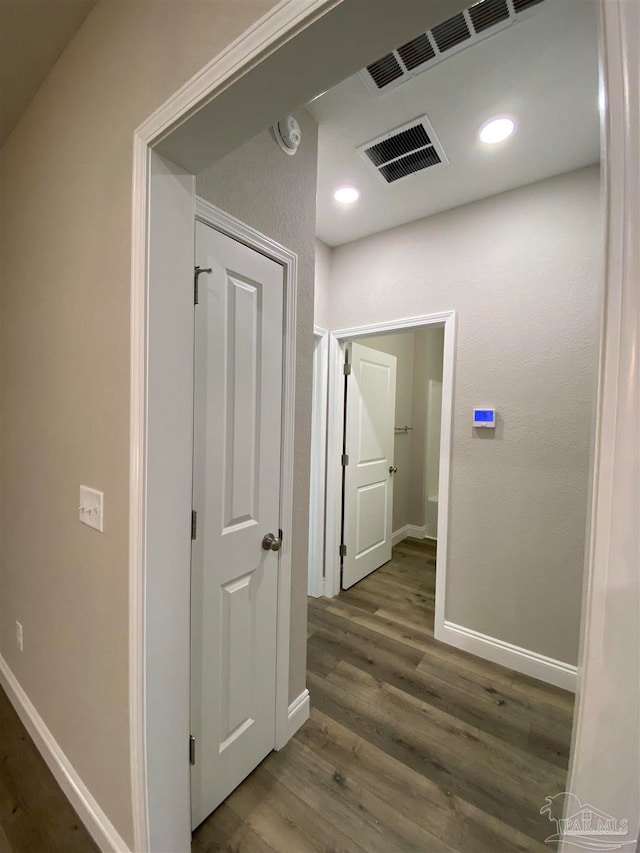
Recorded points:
(271,542)
(393,469)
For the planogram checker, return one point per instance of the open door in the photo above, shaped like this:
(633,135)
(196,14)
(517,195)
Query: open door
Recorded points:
(236,495)
(369,468)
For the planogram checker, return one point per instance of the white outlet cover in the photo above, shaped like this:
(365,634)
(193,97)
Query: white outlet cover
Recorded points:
(90,509)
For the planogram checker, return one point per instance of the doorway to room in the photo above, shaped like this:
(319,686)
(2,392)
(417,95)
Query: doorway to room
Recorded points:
(288,774)
(391,459)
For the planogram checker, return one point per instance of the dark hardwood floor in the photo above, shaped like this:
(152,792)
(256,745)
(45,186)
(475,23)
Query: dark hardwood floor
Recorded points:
(35,816)
(411,746)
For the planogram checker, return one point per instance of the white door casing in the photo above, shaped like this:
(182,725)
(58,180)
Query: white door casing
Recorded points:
(317,491)
(369,446)
(154,702)
(432,457)
(237,446)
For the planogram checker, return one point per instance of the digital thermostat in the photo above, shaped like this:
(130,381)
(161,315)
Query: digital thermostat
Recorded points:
(484,418)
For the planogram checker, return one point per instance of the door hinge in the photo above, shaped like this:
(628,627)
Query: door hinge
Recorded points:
(196,274)
(343,550)
(347,369)
(345,459)
(194,524)
(192,749)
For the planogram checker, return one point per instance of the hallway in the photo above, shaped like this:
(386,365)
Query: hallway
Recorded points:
(411,745)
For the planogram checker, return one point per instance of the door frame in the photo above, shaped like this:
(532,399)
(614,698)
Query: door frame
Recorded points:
(427,443)
(602,669)
(221,221)
(317,505)
(335,433)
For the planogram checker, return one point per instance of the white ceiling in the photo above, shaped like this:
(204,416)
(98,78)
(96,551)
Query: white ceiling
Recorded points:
(33,34)
(542,71)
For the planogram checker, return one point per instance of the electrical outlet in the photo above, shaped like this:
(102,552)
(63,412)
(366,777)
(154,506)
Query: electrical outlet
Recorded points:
(91,508)
(19,635)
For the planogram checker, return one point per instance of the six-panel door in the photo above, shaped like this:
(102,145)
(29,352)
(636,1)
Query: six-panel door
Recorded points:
(368,480)
(236,477)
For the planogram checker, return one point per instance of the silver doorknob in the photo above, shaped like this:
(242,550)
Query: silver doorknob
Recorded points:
(271,542)
(393,469)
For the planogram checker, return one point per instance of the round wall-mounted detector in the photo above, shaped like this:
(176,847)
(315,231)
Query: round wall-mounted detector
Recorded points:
(288,135)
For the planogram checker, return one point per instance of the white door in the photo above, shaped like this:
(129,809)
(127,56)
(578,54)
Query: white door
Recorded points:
(368,478)
(236,492)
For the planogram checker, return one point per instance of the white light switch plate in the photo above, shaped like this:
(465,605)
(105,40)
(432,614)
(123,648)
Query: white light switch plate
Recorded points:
(91,508)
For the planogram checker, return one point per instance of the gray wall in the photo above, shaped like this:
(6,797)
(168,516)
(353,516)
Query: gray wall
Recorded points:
(428,353)
(322,282)
(276,194)
(522,271)
(402,347)
(66,275)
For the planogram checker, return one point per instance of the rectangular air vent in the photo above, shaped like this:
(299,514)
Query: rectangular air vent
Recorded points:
(521,5)
(479,21)
(488,14)
(451,32)
(385,70)
(404,151)
(416,52)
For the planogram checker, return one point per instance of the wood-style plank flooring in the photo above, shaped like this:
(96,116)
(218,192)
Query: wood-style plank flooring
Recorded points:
(35,816)
(411,746)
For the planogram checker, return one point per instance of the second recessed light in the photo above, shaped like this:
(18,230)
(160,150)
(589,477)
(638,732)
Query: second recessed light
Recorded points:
(497,130)
(346,195)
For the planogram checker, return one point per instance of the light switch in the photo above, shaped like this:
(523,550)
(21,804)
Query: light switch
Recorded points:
(91,508)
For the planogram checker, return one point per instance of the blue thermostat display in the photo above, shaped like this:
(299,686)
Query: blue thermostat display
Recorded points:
(484,418)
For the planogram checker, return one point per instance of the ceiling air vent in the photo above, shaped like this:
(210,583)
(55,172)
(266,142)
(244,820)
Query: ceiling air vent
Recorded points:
(416,52)
(488,14)
(521,5)
(479,21)
(385,70)
(452,32)
(404,151)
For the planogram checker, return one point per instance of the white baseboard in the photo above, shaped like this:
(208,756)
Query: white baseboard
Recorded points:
(406,531)
(97,823)
(298,713)
(514,657)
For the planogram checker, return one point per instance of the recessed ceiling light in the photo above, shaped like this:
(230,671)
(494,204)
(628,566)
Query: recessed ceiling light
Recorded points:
(497,130)
(346,195)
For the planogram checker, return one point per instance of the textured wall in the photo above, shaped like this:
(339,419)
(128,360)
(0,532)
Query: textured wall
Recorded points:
(66,259)
(522,271)
(427,365)
(402,346)
(276,194)
(322,284)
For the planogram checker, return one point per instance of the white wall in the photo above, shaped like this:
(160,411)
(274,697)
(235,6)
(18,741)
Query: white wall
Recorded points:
(605,770)
(276,194)
(522,271)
